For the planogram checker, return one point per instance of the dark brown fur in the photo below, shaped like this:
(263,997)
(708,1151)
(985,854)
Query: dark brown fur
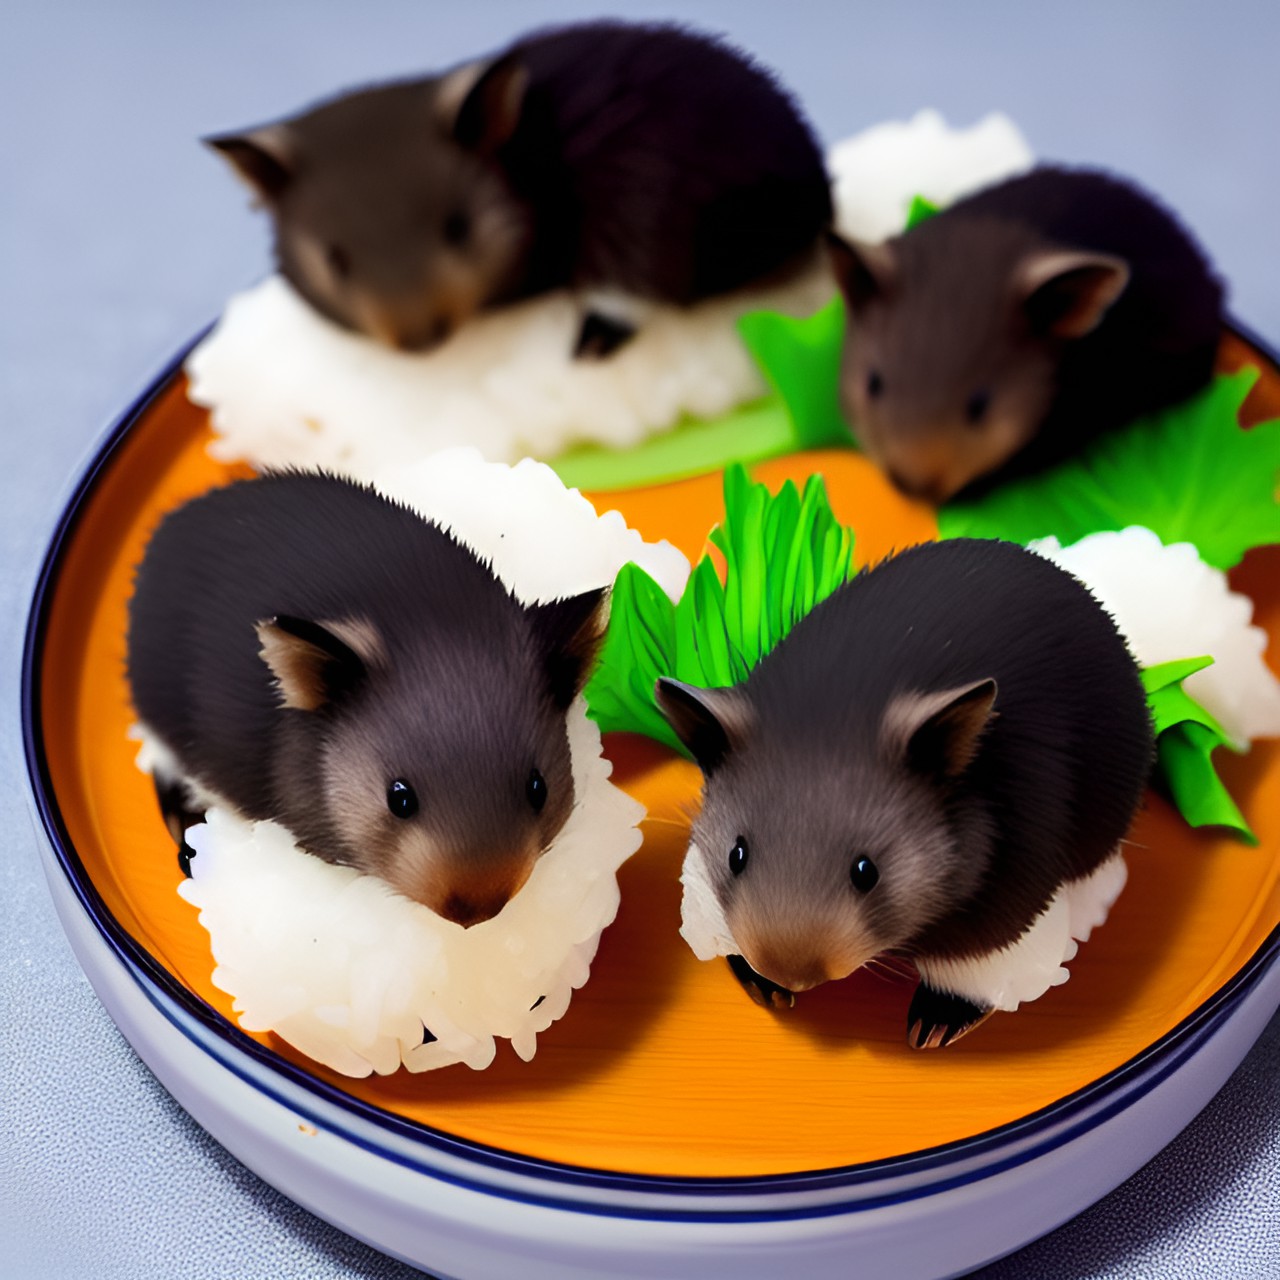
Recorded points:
(965,715)
(299,642)
(1004,332)
(614,156)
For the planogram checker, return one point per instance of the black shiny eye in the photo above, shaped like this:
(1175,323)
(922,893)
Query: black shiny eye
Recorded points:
(339,261)
(976,406)
(457,228)
(864,875)
(875,385)
(536,790)
(402,799)
(738,856)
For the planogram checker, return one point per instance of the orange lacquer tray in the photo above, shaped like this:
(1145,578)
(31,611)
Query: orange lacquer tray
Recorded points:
(662,1065)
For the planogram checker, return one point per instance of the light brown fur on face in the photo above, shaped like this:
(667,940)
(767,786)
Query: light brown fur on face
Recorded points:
(825,951)
(943,379)
(934,461)
(789,811)
(392,216)
(463,885)
(793,910)
(437,287)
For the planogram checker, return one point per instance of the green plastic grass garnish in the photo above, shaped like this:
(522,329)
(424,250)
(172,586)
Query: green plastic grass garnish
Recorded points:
(783,553)
(1189,473)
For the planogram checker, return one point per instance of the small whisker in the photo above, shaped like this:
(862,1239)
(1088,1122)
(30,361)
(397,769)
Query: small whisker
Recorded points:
(666,822)
(878,972)
(898,965)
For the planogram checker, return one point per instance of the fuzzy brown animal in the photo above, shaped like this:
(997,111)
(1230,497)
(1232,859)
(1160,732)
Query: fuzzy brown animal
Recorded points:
(626,161)
(307,651)
(1003,333)
(917,769)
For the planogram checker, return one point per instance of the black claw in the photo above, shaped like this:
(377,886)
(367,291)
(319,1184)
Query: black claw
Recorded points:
(179,811)
(601,336)
(768,995)
(936,1019)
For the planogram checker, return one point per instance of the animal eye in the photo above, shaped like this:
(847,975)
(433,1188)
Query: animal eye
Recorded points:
(864,875)
(457,228)
(875,385)
(536,790)
(738,856)
(402,799)
(339,261)
(976,406)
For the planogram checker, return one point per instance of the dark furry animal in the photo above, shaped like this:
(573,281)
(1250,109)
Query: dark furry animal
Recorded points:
(1002,333)
(643,159)
(310,652)
(918,767)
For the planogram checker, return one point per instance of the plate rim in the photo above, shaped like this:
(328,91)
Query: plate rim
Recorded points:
(1038,1133)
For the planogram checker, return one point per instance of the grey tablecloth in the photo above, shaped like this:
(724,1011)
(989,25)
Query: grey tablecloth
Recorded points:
(119,237)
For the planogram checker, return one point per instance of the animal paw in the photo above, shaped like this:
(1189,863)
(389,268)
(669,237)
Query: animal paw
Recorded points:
(179,811)
(936,1020)
(600,336)
(768,995)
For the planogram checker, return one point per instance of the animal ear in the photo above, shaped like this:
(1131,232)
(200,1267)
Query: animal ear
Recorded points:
(311,664)
(262,158)
(569,632)
(1067,293)
(864,272)
(939,734)
(710,722)
(481,103)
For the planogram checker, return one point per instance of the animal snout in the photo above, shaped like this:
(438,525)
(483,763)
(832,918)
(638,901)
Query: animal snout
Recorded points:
(468,910)
(424,337)
(926,488)
(473,898)
(793,973)
(406,323)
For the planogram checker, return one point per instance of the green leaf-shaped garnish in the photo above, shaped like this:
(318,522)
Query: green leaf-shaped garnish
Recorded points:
(1191,473)
(920,210)
(801,360)
(1186,738)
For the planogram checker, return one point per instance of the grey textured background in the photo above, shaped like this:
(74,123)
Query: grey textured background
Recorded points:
(119,237)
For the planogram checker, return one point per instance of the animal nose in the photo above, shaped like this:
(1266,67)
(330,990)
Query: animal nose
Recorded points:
(425,337)
(924,488)
(467,911)
(788,973)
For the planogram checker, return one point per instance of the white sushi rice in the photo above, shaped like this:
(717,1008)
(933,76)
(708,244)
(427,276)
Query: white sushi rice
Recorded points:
(348,971)
(286,387)
(702,922)
(1169,605)
(543,540)
(1027,968)
(878,172)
